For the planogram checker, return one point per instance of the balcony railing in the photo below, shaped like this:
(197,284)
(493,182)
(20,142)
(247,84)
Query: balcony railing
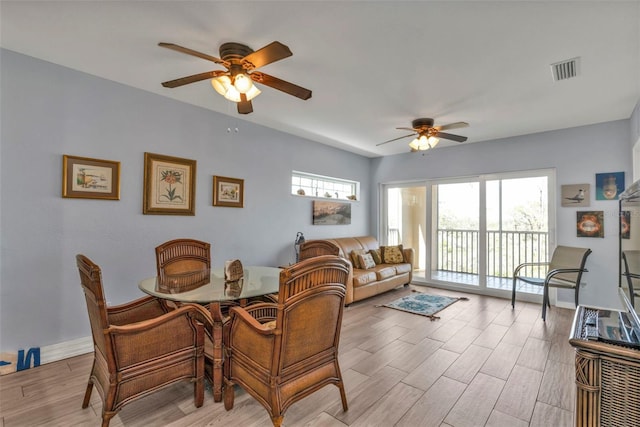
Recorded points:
(458,251)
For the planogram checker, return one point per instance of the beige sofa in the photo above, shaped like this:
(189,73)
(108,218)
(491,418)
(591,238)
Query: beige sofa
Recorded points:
(364,282)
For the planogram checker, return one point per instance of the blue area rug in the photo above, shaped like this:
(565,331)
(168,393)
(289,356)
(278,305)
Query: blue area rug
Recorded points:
(423,304)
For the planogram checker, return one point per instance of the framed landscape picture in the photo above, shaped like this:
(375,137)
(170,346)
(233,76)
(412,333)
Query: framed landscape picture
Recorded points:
(331,213)
(228,192)
(86,178)
(169,185)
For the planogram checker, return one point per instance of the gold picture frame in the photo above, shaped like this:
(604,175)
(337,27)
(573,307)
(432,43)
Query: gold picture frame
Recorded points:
(87,178)
(228,192)
(169,185)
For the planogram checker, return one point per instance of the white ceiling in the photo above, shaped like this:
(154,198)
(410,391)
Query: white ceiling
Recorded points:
(372,66)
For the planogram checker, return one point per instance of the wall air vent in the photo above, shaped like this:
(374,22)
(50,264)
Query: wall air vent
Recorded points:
(564,70)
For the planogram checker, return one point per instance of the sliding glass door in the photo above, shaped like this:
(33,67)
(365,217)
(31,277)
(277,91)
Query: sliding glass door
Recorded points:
(404,220)
(471,232)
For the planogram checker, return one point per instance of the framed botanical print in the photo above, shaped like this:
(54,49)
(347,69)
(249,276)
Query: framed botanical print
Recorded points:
(86,178)
(228,192)
(169,185)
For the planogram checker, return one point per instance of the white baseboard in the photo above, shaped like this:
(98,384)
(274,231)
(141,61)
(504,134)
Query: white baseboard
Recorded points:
(64,350)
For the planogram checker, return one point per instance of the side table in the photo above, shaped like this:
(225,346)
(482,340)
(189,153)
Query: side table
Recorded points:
(607,379)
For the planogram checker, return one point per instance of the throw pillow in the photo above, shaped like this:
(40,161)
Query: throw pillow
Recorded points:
(375,254)
(366,261)
(354,257)
(392,254)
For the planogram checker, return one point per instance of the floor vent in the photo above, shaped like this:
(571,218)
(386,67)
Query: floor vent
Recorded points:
(564,70)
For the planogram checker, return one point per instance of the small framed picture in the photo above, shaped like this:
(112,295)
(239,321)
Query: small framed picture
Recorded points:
(576,195)
(331,213)
(609,185)
(86,178)
(590,223)
(169,185)
(228,192)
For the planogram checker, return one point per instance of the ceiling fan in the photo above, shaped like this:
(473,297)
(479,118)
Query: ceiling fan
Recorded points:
(427,135)
(241,62)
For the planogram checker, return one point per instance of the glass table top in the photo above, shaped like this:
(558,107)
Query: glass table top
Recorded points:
(205,286)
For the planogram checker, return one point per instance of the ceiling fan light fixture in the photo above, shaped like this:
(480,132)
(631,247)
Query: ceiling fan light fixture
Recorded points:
(423,143)
(224,87)
(242,83)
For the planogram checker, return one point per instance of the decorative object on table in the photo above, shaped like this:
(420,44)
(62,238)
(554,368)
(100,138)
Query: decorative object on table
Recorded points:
(233,288)
(576,195)
(233,270)
(609,185)
(590,223)
(296,244)
(423,304)
(281,353)
(86,178)
(331,213)
(169,185)
(241,62)
(228,192)
(132,355)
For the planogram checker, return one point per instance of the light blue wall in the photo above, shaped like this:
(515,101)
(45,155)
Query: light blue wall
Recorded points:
(577,154)
(48,111)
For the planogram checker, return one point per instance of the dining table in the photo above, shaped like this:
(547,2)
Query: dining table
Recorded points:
(211,287)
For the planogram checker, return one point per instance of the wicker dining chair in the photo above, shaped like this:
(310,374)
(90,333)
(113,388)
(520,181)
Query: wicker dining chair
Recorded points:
(177,260)
(281,353)
(132,355)
(314,248)
(563,271)
(631,260)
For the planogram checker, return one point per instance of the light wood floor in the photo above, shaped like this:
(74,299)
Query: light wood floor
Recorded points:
(481,364)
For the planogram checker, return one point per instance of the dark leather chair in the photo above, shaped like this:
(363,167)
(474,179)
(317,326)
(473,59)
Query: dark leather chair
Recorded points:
(133,356)
(563,271)
(281,353)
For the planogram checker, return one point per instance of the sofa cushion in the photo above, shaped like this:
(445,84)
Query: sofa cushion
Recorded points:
(377,257)
(385,271)
(366,261)
(392,254)
(363,277)
(402,268)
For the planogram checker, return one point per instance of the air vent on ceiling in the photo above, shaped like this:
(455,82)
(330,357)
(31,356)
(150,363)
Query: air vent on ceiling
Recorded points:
(565,69)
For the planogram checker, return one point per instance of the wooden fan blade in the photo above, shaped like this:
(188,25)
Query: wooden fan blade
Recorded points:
(456,125)
(192,79)
(395,139)
(244,106)
(270,53)
(194,53)
(451,136)
(276,83)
